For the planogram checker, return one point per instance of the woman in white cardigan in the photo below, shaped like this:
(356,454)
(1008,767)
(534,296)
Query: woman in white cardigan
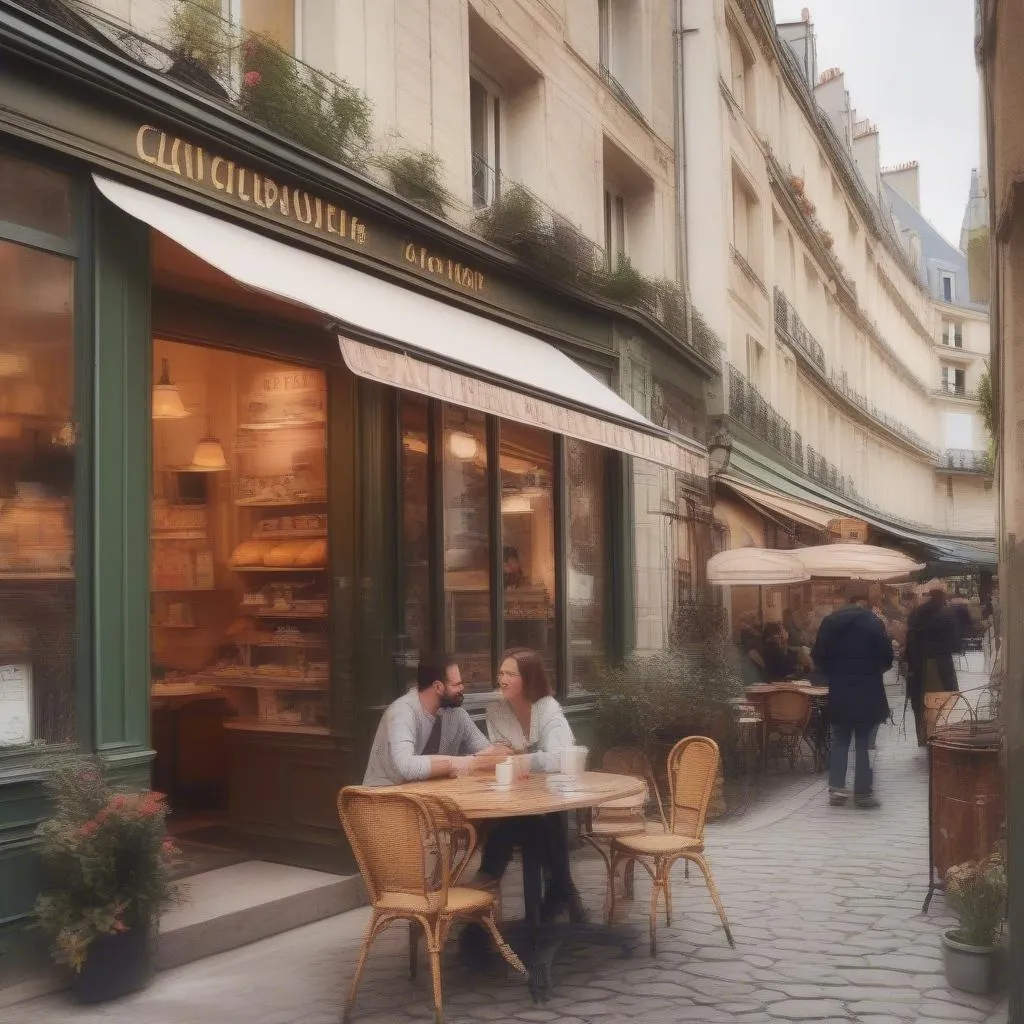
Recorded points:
(530,722)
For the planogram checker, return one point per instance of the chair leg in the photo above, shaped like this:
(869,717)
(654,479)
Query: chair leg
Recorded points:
(371,934)
(668,900)
(701,861)
(434,949)
(414,945)
(504,948)
(657,883)
(686,870)
(629,881)
(613,864)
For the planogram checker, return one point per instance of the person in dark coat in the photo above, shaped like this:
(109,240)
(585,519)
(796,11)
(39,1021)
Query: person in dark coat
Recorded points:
(853,650)
(933,638)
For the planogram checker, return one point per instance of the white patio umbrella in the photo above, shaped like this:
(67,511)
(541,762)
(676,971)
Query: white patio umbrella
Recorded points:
(856,562)
(756,567)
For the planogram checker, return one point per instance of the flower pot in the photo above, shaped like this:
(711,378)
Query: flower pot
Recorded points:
(116,964)
(975,969)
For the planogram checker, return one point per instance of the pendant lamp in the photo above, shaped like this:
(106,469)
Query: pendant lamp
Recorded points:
(208,457)
(167,403)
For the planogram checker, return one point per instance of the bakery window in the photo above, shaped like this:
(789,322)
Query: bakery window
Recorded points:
(528,540)
(414,564)
(467,545)
(587,568)
(239,537)
(37,460)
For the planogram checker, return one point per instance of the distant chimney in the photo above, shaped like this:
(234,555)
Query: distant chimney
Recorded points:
(905,180)
(805,16)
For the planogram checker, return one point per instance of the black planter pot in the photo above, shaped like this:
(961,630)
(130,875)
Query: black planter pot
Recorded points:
(192,74)
(117,964)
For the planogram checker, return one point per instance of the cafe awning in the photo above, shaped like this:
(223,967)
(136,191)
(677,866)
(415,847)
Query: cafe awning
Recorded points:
(795,509)
(419,343)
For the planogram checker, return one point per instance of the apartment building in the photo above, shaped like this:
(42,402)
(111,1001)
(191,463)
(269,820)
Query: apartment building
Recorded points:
(830,324)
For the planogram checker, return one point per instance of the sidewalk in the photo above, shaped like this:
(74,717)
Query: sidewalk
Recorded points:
(825,905)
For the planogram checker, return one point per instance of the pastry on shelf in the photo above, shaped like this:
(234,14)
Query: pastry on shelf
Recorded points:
(250,552)
(285,555)
(313,555)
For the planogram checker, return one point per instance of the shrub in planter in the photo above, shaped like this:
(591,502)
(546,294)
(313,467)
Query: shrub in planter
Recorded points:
(200,41)
(515,221)
(627,285)
(976,893)
(417,177)
(321,112)
(109,865)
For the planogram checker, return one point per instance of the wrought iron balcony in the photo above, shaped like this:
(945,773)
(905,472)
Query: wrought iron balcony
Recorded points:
(791,327)
(965,460)
(947,389)
(748,407)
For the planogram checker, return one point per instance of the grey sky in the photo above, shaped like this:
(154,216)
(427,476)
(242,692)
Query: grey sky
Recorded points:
(910,69)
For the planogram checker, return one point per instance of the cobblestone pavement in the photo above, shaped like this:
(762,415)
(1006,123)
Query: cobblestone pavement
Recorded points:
(825,904)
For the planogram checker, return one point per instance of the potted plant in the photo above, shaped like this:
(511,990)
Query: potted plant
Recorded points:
(200,44)
(971,953)
(110,867)
(416,176)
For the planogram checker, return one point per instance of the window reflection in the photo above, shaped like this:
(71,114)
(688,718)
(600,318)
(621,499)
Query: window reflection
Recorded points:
(34,197)
(467,545)
(528,540)
(415,551)
(37,437)
(587,567)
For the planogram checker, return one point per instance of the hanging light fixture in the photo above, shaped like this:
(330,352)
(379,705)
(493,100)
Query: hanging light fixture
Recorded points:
(14,364)
(208,456)
(462,445)
(167,403)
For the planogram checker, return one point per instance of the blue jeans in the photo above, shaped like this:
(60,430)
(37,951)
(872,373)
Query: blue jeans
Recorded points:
(842,734)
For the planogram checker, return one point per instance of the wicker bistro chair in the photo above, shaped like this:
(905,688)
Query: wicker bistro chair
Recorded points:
(600,826)
(692,769)
(787,713)
(412,851)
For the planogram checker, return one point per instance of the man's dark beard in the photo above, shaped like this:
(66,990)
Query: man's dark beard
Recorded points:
(452,702)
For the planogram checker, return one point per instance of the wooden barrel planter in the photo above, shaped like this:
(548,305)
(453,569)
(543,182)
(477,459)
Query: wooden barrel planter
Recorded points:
(967,803)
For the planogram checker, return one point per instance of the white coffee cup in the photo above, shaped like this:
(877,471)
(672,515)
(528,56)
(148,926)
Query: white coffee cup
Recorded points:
(503,772)
(573,760)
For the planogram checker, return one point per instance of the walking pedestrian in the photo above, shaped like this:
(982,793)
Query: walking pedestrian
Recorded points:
(853,650)
(933,638)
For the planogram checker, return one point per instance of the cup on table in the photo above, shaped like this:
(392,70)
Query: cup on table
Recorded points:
(503,772)
(573,760)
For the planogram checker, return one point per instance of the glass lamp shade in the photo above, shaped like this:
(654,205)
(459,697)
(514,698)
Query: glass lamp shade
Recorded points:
(14,364)
(462,445)
(167,403)
(208,457)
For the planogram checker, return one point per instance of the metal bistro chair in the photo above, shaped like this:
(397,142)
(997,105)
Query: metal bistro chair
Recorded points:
(600,826)
(692,769)
(412,851)
(787,714)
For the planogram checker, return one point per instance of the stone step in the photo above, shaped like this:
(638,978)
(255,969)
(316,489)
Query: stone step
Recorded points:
(232,906)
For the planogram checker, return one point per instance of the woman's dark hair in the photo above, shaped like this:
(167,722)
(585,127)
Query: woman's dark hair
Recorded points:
(433,668)
(535,678)
(772,629)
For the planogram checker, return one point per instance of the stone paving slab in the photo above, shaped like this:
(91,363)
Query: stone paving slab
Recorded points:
(825,905)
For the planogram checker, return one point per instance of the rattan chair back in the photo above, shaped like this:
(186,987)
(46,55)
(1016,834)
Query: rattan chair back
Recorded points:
(633,761)
(692,769)
(787,712)
(404,843)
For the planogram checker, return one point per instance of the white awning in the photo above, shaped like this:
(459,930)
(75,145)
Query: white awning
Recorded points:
(755,567)
(486,351)
(792,508)
(856,562)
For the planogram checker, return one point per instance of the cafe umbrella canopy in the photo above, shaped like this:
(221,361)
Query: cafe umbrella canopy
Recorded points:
(856,562)
(756,567)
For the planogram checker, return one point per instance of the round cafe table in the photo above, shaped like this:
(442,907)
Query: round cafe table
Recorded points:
(479,798)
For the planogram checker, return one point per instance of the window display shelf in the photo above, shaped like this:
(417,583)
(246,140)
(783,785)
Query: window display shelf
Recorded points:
(183,590)
(26,576)
(288,613)
(280,502)
(245,725)
(302,643)
(258,682)
(278,568)
(289,535)
(178,535)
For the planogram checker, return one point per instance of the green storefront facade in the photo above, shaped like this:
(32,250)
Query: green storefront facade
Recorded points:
(430,522)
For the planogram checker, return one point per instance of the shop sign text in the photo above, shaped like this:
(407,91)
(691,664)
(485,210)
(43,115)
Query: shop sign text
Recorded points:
(200,166)
(444,267)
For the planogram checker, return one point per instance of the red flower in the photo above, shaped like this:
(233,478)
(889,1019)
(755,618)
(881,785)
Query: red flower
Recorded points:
(252,79)
(90,828)
(119,925)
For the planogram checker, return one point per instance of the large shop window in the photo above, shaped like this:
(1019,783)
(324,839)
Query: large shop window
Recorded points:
(500,560)
(37,458)
(239,539)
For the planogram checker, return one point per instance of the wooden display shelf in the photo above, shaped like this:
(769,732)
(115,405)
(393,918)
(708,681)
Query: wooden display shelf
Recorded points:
(256,682)
(243,725)
(278,568)
(287,613)
(282,535)
(304,643)
(279,502)
(182,590)
(178,535)
(282,424)
(177,625)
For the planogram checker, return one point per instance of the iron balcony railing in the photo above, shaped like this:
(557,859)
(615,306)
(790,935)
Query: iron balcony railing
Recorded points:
(790,329)
(947,389)
(965,460)
(621,93)
(748,271)
(748,407)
